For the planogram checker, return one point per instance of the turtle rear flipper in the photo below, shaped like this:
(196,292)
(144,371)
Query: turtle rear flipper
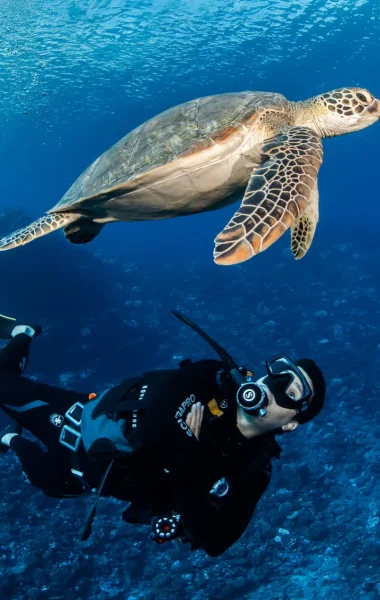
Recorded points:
(302,231)
(43,226)
(276,196)
(82,231)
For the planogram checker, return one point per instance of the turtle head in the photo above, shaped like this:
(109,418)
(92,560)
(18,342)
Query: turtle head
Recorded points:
(341,111)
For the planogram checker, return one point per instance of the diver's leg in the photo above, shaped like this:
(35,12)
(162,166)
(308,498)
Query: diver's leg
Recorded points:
(14,357)
(42,469)
(7,434)
(9,327)
(32,460)
(38,407)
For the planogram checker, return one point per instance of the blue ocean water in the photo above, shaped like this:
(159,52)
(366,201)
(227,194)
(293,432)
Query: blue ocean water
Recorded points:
(77,76)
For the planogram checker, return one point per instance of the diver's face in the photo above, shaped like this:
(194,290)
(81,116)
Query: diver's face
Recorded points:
(277,416)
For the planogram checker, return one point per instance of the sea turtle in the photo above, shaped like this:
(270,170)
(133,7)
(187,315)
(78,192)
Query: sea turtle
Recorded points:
(200,156)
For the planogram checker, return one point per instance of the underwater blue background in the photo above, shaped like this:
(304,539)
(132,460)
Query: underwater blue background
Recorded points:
(77,76)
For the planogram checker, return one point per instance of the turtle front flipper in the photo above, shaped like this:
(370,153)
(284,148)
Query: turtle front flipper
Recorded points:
(276,196)
(302,231)
(43,226)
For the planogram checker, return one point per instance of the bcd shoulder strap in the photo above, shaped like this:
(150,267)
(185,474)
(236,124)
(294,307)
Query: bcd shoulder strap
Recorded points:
(124,397)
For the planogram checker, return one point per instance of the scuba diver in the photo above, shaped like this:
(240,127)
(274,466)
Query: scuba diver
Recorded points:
(189,448)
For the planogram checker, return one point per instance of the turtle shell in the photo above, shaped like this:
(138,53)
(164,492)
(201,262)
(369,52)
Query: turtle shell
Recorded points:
(175,133)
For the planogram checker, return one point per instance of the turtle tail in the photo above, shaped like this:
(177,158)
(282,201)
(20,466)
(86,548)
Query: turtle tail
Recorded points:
(47,224)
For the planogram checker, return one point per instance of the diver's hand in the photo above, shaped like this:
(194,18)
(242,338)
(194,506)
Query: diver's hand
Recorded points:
(194,418)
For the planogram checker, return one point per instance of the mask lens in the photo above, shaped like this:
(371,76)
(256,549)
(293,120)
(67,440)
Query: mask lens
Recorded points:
(282,366)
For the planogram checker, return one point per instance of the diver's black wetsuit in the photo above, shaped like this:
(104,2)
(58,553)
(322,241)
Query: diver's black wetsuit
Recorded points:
(32,404)
(194,466)
(170,469)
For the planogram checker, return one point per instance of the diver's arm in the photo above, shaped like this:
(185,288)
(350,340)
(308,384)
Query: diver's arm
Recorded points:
(216,524)
(167,432)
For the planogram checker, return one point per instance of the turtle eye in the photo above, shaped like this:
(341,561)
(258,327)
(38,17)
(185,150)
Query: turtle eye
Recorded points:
(364,98)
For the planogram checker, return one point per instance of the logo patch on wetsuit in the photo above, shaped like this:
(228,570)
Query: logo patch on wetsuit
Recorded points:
(184,407)
(56,420)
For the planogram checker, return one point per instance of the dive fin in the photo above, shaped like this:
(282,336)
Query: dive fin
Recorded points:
(47,224)
(82,231)
(303,230)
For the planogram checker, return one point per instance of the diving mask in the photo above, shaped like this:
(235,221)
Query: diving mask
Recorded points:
(285,370)
(282,375)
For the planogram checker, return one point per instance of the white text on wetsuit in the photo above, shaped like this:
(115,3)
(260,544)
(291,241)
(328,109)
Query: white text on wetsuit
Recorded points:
(181,410)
